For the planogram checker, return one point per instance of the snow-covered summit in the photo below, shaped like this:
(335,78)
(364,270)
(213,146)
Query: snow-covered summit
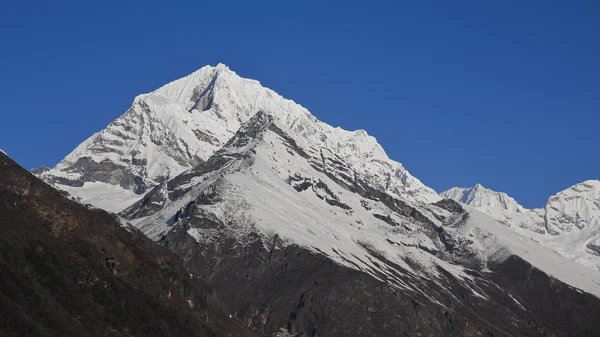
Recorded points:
(574,208)
(183,123)
(569,223)
(499,206)
(479,196)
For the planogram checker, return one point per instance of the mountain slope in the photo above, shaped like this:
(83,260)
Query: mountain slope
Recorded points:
(569,223)
(70,271)
(282,221)
(184,122)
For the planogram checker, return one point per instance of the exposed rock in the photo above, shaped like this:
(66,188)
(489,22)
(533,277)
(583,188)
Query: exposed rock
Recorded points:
(66,270)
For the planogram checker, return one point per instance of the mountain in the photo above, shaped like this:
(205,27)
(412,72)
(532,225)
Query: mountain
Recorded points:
(273,215)
(184,122)
(574,209)
(482,197)
(66,270)
(569,223)
(498,205)
(303,229)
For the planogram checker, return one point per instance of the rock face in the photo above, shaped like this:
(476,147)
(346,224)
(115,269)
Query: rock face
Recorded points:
(303,229)
(569,223)
(66,270)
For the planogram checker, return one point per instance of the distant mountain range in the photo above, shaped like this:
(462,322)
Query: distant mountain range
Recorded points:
(569,224)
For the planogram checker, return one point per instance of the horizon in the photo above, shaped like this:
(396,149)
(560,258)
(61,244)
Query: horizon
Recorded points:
(492,95)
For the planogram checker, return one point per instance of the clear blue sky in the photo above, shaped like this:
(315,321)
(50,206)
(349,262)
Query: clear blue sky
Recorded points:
(504,93)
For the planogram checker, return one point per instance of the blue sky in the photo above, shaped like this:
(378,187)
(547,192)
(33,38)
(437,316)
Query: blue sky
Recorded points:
(504,93)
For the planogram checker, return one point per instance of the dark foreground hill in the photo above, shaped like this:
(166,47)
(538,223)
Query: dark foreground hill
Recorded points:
(66,270)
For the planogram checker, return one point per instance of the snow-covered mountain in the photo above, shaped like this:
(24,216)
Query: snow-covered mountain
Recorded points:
(569,223)
(184,122)
(252,190)
(283,184)
(482,197)
(498,205)
(267,190)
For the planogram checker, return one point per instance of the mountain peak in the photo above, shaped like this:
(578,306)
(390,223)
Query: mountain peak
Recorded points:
(479,196)
(575,209)
(222,66)
(183,123)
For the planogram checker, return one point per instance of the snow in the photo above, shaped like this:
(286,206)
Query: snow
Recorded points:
(109,197)
(304,219)
(539,256)
(480,196)
(188,120)
(571,209)
(174,128)
(254,195)
(4,153)
(79,152)
(499,206)
(569,224)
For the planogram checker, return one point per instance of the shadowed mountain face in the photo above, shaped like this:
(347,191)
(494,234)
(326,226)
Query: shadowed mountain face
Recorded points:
(295,291)
(66,270)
